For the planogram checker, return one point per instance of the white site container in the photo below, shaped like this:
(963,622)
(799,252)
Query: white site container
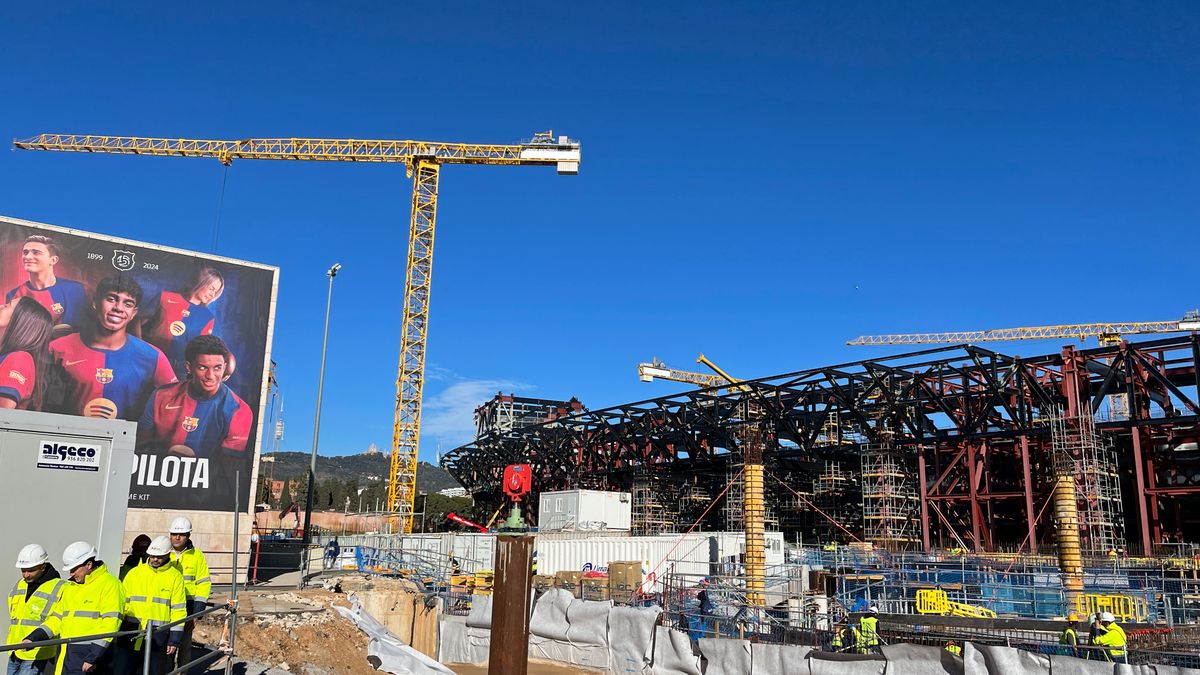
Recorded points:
(697,554)
(64,479)
(584,511)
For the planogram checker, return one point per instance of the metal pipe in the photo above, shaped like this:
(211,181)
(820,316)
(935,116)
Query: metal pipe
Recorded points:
(312,469)
(1070,556)
(233,593)
(146,643)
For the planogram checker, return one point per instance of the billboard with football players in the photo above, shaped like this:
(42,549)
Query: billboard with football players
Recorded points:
(175,341)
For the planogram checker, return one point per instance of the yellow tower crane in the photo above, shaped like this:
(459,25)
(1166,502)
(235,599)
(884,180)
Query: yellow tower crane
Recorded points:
(1106,333)
(423,161)
(647,372)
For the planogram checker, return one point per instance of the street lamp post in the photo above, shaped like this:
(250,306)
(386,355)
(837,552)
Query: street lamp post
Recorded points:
(312,468)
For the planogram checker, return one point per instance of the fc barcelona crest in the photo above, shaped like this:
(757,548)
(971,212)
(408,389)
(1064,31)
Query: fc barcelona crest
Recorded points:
(190,424)
(57,308)
(104,375)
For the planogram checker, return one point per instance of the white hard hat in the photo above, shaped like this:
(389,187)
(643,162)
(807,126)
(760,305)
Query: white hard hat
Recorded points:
(160,546)
(873,609)
(1107,616)
(181,525)
(31,556)
(78,553)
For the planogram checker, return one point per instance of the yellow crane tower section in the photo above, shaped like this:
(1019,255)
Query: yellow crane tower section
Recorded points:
(423,160)
(1106,333)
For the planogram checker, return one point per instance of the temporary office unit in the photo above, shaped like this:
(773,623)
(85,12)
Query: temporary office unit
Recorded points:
(584,511)
(64,479)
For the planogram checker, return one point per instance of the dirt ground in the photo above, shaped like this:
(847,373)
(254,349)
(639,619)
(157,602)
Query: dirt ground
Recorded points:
(320,639)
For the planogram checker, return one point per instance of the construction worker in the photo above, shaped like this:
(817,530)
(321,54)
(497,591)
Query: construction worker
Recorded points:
(953,648)
(1068,640)
(197,583)
(1111,637)
(869,626)
(846,639)
(30,603)
(154,596)
(92,605)
(137,554)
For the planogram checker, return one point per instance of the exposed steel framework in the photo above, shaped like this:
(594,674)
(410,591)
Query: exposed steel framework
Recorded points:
(974,422)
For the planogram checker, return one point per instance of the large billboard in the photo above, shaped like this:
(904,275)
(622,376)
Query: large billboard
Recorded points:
(173,340)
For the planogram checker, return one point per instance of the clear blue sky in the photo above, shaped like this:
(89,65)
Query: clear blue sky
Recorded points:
(760,181)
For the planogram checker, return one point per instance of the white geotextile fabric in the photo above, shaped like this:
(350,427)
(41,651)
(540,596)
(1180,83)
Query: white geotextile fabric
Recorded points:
(768,659)
(726,656)
(995,660)
(673,653)
(906,659)
(385,651)
(481,612)
(822,663)
(1069,665)
(631,639)
(564,629)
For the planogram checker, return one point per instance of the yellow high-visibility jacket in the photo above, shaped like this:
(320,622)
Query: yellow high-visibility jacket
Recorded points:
(197,582)
(156,597)
(1113,638)
(870,630)
(92,608)
(27,611)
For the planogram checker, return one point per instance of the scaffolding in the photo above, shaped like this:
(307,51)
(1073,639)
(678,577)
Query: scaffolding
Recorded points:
(831,431)
(653,510)
(735,497)
(834,494)
(1080,452)
(889,498)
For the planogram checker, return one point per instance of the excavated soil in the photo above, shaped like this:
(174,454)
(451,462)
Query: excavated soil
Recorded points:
(274,633)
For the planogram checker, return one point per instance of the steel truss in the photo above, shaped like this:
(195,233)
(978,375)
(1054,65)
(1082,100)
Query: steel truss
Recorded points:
(974,422)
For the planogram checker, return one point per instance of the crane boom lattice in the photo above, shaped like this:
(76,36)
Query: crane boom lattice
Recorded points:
(1106,332)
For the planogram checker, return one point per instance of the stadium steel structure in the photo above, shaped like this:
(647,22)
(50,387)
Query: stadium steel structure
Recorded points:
(423,160)
(973,423)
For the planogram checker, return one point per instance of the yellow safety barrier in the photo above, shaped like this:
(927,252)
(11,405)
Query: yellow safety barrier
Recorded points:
(935,601)
(1124,607)
(931,601)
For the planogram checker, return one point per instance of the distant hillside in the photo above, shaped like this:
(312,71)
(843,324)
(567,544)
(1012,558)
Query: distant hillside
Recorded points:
(361,467)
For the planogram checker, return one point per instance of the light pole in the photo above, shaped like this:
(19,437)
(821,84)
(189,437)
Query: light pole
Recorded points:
(312,468)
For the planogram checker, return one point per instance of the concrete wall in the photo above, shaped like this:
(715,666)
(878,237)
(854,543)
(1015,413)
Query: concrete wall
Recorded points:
(212,533)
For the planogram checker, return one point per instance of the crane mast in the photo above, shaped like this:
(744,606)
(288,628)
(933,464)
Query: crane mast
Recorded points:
(423,160)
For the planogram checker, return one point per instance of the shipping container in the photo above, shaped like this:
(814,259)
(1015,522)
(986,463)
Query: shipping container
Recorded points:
(584,511)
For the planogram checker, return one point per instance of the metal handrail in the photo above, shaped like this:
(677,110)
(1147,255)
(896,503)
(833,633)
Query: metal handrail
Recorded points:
(62,641)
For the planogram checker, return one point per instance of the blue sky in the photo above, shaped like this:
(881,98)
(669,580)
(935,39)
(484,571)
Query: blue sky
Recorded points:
(760,181)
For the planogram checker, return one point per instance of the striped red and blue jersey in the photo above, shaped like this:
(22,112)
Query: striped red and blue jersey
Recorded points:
(17,377)
(178,322)
(217,426)
(66,300)
(113,384)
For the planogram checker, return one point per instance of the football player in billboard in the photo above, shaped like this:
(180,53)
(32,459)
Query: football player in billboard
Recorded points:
(179,317)
(201,416)
(106,371)
(24,359)
(66,300)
